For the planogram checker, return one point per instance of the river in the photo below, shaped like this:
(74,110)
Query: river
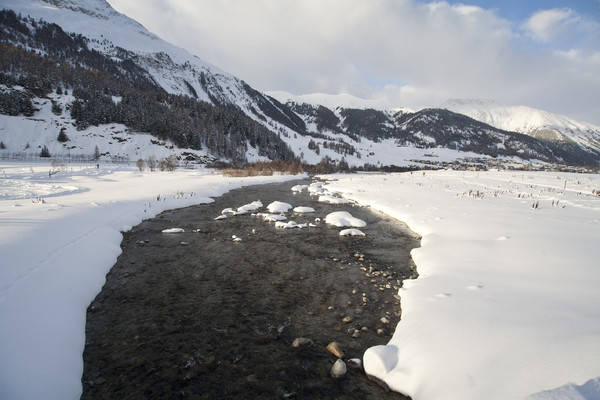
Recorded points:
(197,315)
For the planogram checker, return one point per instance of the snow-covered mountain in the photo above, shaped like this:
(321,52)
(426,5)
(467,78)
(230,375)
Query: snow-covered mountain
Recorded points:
(332,101)
(540,124)
(87,48)
(109,32)
(114,72)
(172,68)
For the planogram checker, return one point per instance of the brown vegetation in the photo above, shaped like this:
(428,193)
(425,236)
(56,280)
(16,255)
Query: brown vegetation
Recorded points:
(262,168)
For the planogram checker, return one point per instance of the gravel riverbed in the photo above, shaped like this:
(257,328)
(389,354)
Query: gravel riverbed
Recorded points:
(197,315)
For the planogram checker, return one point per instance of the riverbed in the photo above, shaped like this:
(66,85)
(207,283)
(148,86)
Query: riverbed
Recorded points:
(212,312)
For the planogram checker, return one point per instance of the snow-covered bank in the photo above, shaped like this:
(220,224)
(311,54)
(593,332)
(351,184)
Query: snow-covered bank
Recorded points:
(506,305)
(507,302)
(59,236)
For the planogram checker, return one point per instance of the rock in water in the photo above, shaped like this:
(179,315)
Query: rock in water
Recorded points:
(335,349)
(339,369)
(301,342)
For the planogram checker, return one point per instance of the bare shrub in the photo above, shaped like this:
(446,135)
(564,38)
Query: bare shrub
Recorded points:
(171,162)
(151,163)
(140,164)
(57,167)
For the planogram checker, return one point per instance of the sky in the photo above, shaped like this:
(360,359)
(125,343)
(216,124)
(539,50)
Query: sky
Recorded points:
(405,53)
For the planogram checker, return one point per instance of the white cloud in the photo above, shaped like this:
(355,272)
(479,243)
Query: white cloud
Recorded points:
(562,25)
(546,25)
(407,52)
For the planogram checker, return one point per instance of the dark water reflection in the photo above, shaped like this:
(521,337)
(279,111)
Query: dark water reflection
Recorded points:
(197,315)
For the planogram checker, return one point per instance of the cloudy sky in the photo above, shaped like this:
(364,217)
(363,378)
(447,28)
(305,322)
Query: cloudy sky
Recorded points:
(411,53)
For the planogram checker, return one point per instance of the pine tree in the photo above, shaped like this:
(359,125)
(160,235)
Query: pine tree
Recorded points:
(45,152)
(56,108)
(62,136)
(96,154)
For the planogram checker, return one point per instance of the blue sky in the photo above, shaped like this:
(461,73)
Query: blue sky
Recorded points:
(404,53)
(519,10)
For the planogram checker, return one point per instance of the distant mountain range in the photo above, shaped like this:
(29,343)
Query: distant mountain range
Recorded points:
(96,67)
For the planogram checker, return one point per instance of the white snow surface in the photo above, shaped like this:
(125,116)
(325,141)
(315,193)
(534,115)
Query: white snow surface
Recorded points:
(351,232)
(289,225)
(344,218)
(57,247)
(303,210)
(271,217)
(299,188)
(506,303)
(279,207)
(331,199)
(255,205)
(173,230)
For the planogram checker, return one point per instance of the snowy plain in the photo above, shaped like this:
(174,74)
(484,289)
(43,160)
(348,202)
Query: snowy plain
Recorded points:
(506,305)
(59,237)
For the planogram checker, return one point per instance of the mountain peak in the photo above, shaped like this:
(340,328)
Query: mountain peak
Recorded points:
(94,8)
(80,16)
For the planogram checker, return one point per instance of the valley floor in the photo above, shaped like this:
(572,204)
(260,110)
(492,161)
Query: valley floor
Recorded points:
(506,305)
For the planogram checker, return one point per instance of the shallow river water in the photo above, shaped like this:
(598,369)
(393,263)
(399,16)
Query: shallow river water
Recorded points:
(196,315)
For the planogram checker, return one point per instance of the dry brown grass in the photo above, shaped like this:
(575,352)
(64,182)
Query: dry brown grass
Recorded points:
(264,169)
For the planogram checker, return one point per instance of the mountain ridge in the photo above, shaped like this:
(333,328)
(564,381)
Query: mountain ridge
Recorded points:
(359,135)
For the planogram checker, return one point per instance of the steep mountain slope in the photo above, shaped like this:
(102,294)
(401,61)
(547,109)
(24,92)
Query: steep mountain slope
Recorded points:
(174,69)
(545,126)
(116,87)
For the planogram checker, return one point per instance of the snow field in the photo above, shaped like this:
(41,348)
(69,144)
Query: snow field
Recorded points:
(506,303)
(58,243)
